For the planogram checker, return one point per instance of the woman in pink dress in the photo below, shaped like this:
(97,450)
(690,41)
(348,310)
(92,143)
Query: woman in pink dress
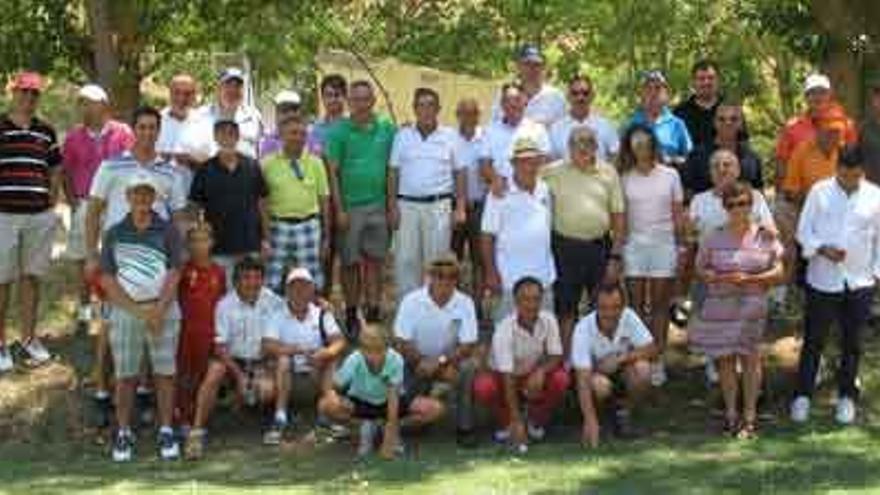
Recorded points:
(738,264)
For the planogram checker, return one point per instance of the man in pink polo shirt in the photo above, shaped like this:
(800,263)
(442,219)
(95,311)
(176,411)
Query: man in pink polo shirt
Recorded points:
(86,145)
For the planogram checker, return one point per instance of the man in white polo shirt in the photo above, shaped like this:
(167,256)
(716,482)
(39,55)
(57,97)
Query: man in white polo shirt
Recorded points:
(516,231)
(546,104)
(611,353)
(307,343)
(436,331)
(581,93)
(495,153)
(424,179)
(231,104)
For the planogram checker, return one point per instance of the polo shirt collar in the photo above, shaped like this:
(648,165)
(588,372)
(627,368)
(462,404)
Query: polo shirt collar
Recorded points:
(642,117)
(156,161)
(128,222)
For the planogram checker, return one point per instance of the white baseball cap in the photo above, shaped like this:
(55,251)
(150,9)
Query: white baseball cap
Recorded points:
(299,273)
(231,74)
(141,179)
(93,92)
(287,97)
(817,81)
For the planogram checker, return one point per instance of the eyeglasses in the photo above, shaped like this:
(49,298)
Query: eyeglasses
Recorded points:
(580,92)
(743,203)
(728,120)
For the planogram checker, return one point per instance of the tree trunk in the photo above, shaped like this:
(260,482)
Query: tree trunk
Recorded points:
(117,48)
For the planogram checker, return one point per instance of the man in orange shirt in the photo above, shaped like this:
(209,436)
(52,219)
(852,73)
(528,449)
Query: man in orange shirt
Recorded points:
(816,158)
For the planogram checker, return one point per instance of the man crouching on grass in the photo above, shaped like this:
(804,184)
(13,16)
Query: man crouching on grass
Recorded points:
(140,262)
(369,385)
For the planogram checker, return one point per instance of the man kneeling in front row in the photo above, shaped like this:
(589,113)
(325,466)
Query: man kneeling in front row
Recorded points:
(611,354)
(242,319)
(306,342)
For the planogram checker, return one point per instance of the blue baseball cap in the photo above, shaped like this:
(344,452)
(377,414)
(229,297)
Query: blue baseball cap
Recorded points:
(530,53)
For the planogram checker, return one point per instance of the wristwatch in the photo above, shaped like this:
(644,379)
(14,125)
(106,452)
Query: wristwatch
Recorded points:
(442,360)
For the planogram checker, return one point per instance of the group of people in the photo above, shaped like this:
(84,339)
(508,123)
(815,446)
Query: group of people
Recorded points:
(211,243)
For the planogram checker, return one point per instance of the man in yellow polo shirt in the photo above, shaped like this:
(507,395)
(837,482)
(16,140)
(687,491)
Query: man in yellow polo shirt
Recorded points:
(298,206)
(587,215)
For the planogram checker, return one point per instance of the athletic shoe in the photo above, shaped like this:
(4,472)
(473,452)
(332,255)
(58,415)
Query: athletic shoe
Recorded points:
(275,433)
(536,432)
(6,363)
(367,437)
(36,351)
(846,411)
(195,444)
(658,374)
(501,436)
(123,447)
(169,449)
(800,409)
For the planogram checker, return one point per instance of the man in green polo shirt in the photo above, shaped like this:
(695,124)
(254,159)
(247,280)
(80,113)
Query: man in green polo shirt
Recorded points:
(357,152)
(587,214)
(298,204)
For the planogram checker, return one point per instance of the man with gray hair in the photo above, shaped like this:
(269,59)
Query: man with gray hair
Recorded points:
(588,224)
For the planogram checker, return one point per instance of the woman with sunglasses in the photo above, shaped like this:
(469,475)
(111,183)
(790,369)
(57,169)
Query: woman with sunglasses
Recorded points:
(738,263)
(654,229)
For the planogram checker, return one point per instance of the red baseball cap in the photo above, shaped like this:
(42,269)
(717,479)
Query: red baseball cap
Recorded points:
(27,80)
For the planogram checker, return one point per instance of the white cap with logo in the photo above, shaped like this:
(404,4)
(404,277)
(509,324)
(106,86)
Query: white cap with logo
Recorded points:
(299,273)
(93,92)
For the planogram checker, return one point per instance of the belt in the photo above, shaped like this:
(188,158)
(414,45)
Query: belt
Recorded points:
(425,199)
(293,220)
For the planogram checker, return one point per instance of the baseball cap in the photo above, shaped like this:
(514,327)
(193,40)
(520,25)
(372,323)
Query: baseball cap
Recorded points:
(93,92)
(526,146)
(231,73)
(817,81)
(140,179)
(287,97)
(299,273)
(27,80)
(530,53)
(654,75)
(223,121)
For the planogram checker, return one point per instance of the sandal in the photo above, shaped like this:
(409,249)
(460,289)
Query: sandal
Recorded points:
(748,431)
(731,427)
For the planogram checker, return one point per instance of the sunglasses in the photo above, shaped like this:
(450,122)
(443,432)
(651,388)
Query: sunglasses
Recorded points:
(581,92)
(743,203)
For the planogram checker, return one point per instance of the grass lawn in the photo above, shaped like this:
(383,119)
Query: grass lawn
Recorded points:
(44,447)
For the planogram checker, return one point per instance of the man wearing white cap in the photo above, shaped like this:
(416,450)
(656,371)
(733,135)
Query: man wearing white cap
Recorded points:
(287,103)
(140,261)
(516,231)
(306,341)
(231,104)
(95,139)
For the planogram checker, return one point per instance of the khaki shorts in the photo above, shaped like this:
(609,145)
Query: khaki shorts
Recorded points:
(367,235)
(76,236)
(26,244)
(129,338)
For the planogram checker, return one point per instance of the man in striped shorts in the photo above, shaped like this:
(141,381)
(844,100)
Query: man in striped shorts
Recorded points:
(140,262)
(298,206)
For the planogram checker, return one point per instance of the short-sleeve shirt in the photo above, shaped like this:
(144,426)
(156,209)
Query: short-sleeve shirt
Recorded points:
(700,120)
(242,326)
(432,329)
(231,202)
(521,223)
(292,196)
(607,140)
(28,157)
(305,333)
(361,154)
(707,212)
(583,200)
(360,382)
(84,151)
(808,165)
(497,143)
(670,131)
(111,181)
(545,107)
(800,129)
(516,350)
(140,260)
(697,177)
(425,164)
(649,199)
(250,127)
(468,153)
(589,345)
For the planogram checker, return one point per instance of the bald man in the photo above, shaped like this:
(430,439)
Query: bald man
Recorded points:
(180,139)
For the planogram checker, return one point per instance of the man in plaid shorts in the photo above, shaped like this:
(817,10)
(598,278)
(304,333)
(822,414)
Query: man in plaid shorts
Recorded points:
(298,206)
(140,259)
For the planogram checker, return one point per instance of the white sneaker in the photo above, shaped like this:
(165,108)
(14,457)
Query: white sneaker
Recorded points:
(36,351)
(169,449)
(536,432)
(658,374)
(123,447)
(501,435)
(800,409)
(846,411)
(367,435)
(711,372)
(6,363)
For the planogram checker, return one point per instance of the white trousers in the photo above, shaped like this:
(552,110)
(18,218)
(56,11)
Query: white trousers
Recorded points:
(425,232)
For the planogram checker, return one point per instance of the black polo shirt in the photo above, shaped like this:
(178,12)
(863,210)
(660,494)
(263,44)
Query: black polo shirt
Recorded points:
(696,177)
(28,157)
(700,121)
(231,203)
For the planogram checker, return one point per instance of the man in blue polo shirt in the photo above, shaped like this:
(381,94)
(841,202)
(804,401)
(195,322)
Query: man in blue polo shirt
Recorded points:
(672,133)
